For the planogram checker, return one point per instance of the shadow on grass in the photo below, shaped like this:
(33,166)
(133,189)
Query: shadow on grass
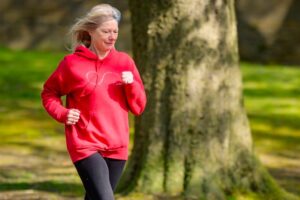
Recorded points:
(284,139)
(282,145)
(38,149)
(276,120)
(276,93)
(66,189)
(287,176)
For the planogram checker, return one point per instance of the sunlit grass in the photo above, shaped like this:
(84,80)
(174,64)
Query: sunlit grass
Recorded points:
(32,145)
(271,96)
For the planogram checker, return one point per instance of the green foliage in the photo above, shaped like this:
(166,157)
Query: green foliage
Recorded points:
(32,146)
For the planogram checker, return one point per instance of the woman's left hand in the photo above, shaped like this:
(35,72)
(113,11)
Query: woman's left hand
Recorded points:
(127,77)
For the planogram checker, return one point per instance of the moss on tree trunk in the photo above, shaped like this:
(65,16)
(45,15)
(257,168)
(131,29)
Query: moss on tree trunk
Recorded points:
(193,138)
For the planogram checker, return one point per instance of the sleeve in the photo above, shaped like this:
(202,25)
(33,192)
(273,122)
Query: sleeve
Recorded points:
(135,92)
(53,89)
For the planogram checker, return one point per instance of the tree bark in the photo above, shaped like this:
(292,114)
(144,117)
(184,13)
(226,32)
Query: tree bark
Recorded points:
(193,138)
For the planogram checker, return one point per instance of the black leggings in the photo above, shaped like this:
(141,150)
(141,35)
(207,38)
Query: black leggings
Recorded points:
(99,176)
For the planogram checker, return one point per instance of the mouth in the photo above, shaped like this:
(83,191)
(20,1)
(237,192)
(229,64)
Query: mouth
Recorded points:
(109,43)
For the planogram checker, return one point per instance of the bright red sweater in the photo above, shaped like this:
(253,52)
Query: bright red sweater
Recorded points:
(94,87)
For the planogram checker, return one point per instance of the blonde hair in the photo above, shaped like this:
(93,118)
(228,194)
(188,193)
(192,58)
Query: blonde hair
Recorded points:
(92,20)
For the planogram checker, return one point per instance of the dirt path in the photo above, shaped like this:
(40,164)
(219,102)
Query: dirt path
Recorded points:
(20,165)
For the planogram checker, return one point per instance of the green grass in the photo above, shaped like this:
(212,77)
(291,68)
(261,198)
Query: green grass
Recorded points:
(33,154)
(32,146)
(273,106)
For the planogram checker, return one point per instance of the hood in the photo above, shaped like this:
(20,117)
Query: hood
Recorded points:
(87,53)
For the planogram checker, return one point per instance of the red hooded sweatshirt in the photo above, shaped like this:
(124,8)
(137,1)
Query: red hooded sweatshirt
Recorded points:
(94,87)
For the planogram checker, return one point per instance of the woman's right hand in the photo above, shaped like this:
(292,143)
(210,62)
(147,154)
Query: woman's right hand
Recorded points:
(73,116)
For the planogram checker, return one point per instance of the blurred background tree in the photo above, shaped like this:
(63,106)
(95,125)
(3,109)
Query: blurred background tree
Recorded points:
(266,28)
(269,30)
(44,24)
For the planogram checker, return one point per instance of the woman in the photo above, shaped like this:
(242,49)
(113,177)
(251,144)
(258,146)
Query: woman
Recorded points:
(101,86)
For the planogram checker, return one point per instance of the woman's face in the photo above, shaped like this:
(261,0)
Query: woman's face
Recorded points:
(105,36)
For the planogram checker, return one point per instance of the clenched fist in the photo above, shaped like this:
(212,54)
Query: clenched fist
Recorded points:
(127,77)
(73,116)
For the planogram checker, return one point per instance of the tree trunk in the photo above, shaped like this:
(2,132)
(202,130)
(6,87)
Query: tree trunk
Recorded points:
(193,137)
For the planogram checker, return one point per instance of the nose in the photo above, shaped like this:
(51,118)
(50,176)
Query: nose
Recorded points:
(113,36)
